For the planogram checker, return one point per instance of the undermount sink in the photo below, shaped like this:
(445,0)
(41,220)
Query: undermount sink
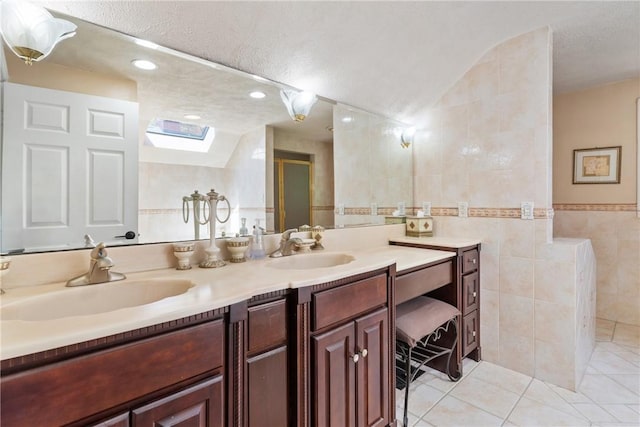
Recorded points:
(93,299)
(310,261)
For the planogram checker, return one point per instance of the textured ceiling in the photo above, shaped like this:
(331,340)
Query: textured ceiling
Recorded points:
(394,58)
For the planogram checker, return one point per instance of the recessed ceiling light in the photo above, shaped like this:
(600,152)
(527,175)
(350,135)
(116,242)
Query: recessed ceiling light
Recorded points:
(257,94)
(143,64)
(192,116)
(347,119)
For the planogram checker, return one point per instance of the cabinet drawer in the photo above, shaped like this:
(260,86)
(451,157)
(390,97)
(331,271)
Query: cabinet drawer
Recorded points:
(420,282)
(90,384)
(470,292)
(267,326)
(470,332)
(470,261)
(200,406)
(344,302)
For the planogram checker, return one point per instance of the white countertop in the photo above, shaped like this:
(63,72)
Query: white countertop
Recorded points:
(214,288)
(450,242)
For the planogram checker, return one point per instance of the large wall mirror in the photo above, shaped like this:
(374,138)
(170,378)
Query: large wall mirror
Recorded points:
(93,145)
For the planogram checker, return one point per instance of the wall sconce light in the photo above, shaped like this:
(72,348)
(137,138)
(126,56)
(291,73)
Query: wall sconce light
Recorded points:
(30,31)
(298,103)
(406,137)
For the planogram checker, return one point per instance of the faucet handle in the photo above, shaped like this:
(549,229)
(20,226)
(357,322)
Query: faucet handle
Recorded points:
(99,251)
(287,233)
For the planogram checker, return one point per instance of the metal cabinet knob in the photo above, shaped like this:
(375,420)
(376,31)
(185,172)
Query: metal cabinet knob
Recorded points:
(364,353)
(475,294)
(473,333)
(355,358)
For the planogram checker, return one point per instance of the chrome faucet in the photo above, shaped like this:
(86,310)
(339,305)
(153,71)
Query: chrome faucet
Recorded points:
(287,244)
(99,269)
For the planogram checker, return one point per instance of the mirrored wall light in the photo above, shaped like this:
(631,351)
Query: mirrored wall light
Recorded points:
(30,31)
(257,94)
(298,103)
(406,137)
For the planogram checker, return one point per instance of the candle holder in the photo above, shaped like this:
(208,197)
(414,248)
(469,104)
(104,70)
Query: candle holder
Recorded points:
(183,252)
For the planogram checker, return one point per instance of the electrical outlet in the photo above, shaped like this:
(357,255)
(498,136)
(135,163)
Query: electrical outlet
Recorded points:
(426,208)
(526,210)
(401,208)
(463,209)
(341,209)
(374,209)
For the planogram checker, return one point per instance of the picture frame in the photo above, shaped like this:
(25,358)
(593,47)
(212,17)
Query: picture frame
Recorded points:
(600,165)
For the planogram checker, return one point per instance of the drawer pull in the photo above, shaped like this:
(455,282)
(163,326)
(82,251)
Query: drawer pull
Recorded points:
(475,294)
(473,334)
(474,261)
(355,358)
(364,353)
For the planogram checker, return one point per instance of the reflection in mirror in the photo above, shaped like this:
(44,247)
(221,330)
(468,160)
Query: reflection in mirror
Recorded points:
(381,179)
(90,166)
(93,169)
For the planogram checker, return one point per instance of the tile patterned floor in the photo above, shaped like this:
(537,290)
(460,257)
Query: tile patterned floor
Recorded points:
(489,395)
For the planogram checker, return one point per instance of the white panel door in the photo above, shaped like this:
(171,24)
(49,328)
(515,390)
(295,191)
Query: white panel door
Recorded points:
(69,168)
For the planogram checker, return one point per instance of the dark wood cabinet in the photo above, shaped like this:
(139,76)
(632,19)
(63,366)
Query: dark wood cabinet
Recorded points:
(320,355)
(351,365)
(470,279)
(351,383)
(267,365)
(200,405)
(456,282)
(121,420)
(334,377)
(372,343)
(102,387)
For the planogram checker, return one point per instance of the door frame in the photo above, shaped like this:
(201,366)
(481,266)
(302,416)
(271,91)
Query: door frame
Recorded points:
(279,167)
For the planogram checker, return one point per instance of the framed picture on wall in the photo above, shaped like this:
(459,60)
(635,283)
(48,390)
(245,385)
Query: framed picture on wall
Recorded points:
(597,165)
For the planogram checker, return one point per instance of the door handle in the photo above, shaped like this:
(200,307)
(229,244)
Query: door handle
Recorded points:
(128,235)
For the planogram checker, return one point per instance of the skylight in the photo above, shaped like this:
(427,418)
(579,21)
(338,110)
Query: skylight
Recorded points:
(175,135)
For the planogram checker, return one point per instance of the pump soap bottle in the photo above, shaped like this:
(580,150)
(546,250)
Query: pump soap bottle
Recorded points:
(257,247)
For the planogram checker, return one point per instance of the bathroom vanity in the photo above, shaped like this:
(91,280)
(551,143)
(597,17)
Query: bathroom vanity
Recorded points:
(305,349)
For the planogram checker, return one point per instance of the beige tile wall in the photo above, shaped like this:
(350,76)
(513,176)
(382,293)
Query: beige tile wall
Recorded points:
(616,241)
(489,144)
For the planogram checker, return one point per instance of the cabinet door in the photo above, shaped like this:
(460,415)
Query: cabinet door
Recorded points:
(267,389)
(333,378)
(470,291)
(198,406)
(470,328)
(373,369)
(121,420)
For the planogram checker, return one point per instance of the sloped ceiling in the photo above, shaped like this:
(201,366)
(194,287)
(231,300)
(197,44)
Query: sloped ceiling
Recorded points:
(389,57)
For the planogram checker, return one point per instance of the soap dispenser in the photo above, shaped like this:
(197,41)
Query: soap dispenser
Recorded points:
(243,228)
(257,247)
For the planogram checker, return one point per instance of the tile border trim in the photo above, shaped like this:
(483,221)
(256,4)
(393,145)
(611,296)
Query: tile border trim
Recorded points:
(601,207)
(514,213)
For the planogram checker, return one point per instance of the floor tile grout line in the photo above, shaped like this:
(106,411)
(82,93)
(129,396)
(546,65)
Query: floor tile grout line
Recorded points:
(445,394)
(517,402)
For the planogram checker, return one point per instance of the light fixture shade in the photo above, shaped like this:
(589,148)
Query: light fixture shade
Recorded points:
(298,103)
(30,31)
(406,137)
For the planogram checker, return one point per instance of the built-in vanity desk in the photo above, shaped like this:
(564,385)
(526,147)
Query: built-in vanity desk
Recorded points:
(456,282)
(248,345)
